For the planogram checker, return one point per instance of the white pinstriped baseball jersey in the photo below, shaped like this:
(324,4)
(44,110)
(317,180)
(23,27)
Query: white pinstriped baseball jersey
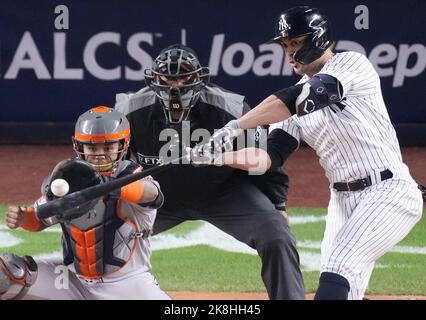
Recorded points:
(359,139)
(355,139)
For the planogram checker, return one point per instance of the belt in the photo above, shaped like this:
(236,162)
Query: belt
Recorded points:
(361,184)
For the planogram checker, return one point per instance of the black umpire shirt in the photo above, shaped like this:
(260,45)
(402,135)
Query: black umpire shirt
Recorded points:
(185,185)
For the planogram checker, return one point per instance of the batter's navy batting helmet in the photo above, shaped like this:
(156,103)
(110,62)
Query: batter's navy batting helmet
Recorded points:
(177,77)
(305,21)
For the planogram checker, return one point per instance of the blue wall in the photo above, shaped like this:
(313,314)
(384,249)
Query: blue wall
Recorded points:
(49,76)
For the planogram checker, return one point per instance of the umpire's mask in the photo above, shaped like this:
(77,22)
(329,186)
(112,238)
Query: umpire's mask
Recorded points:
(177,77)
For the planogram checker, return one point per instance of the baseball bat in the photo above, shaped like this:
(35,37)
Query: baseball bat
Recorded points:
(75,199)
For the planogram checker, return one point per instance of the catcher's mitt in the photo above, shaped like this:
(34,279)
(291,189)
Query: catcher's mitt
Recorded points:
(80,175)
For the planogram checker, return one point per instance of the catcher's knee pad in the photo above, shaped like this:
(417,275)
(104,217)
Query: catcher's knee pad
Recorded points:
(17,274)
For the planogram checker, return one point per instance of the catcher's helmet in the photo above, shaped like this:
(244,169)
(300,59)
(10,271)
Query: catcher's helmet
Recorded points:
(102,125)
(177,77)
(305,21)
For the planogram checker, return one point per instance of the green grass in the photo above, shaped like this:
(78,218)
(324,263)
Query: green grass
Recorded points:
(311,281)
(310,231)
(35,243)
(405,276)
(184,227)
(417,236)
(306,211)
(203,268)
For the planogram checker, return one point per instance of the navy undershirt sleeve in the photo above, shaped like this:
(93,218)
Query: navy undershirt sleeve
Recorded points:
(289,96)
(280,146)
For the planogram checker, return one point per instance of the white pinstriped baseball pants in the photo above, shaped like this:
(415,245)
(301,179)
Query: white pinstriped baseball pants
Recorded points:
(361,226)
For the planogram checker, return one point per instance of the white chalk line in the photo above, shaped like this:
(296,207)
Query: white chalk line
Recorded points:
(207,234)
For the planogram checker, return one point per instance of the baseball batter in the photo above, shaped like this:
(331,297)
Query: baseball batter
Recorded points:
(106,244)
(337,108)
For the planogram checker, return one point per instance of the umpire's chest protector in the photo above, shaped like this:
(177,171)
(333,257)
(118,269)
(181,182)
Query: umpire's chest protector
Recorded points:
(150,132)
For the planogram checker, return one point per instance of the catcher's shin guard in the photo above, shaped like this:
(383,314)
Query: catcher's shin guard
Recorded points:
(17,274)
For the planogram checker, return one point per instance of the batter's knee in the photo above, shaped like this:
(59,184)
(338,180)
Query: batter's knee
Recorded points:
(17,274)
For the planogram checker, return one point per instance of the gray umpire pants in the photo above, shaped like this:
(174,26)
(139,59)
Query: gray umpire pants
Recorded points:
(245,213)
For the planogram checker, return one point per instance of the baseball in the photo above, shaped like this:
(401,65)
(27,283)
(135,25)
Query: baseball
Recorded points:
(59,187)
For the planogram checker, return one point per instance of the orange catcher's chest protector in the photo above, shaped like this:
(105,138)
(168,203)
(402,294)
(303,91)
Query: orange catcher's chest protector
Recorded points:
(99,242)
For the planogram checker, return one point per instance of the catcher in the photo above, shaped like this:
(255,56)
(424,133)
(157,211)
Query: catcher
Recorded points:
(106,246)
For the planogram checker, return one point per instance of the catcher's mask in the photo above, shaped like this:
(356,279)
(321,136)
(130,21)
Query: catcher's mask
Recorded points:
(102,125)
(304,21)
(177,77)
(80,175)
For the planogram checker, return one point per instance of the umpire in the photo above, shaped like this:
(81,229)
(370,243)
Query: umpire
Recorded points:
(245,206)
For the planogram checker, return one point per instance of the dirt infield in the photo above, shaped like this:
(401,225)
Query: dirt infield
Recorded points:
(186,295)
(23,168)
